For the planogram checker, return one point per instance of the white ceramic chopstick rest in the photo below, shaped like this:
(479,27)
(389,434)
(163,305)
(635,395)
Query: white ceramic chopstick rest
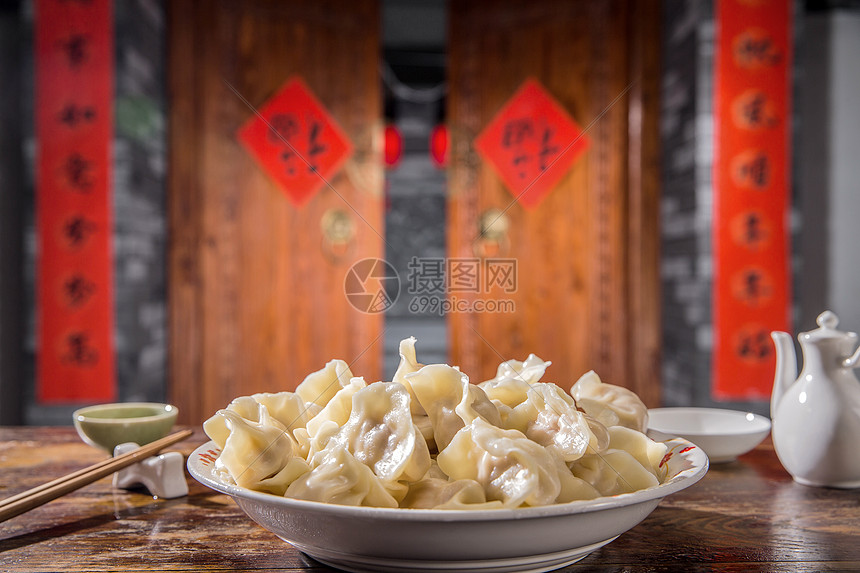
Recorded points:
(163,475)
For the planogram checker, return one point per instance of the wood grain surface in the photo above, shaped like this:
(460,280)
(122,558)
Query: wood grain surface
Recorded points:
(587,293)
(256,299)
(746,515)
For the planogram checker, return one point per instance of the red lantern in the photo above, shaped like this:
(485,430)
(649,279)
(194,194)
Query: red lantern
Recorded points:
(393,146)
(439,145)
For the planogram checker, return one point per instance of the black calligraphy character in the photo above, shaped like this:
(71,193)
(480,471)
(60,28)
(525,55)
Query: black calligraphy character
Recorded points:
(753,110)
(78,350)
(752,51)
(515,133)
(756,171)
(314,146)
(282,127)
(76,49)
(78,290)
(755,346)
(72,115)
(546,150)
(752,231)
(77,170)
(752,285)
(77,230)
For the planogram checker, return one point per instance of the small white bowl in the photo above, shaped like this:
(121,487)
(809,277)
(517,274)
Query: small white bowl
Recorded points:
(722,434)
(478,541)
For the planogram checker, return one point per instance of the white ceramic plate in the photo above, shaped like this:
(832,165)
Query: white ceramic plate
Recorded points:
(723,434)
(407,540)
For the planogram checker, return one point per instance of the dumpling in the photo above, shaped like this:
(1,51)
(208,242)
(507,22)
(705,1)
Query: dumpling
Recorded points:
(434,471)
(328,421)
(319,387)
(425,426)
(259,455)
(631,463)
(381,435)
(510,467)
(613,472)
(408,364)
(513,380)
(216,426)
(611,405)
(549,417)
(408,360)
(530,370)
(340,478)
(285,407)
(450,401)
(572,487)
(288,408)
(436,493)
(646,451)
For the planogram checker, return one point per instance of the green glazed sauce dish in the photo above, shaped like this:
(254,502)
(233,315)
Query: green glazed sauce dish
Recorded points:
(107,425)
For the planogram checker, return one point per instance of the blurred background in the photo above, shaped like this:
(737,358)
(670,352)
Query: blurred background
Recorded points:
(149,252)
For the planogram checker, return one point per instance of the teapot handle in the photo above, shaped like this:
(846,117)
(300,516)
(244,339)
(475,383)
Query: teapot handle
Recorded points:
(852,362)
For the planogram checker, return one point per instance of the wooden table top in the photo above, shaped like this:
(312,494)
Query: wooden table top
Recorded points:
(746,515)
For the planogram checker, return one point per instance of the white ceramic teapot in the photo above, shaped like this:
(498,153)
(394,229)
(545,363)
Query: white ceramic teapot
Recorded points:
(816,419)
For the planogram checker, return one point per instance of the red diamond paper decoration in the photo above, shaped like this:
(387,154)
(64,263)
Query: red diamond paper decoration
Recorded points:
(531,143)
(296,141)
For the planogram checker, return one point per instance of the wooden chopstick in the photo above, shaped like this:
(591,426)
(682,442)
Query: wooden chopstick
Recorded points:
(8,500)
(39,495)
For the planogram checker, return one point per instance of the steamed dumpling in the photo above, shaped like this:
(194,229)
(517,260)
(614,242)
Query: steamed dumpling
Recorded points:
(319,429)
(450,401)
(437,493)
(340,478)
(613,472)
(611,405)
(513,380)
(510,467)
(285,407)
(408,364)
(549,417)
(319,387)
(381,435)
(646,451)
(216,426)
(259,455)
(631,463)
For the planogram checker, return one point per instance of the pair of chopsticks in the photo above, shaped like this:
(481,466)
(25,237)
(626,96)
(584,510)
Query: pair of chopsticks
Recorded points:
(40,495)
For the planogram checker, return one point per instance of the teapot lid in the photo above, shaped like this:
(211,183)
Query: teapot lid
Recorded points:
(827,323)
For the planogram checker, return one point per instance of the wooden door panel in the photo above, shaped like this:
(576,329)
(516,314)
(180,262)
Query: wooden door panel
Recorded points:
(256,300)
(587,262)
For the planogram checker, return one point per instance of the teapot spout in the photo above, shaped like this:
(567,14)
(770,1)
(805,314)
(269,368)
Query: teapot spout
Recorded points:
(786,368)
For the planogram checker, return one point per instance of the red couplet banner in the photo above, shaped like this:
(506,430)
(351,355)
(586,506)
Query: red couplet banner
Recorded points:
(74,126)
(752,278)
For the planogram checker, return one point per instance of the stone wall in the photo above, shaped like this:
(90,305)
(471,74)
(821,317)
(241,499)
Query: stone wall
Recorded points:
(686,132)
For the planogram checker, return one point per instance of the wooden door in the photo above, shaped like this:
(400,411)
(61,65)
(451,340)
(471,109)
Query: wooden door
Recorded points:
(587,254)
(256,295)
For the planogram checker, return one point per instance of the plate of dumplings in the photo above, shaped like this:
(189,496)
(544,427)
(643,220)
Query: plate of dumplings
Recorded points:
(430,472)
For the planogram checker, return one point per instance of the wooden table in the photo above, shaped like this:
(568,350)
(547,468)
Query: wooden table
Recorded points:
(743,516)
